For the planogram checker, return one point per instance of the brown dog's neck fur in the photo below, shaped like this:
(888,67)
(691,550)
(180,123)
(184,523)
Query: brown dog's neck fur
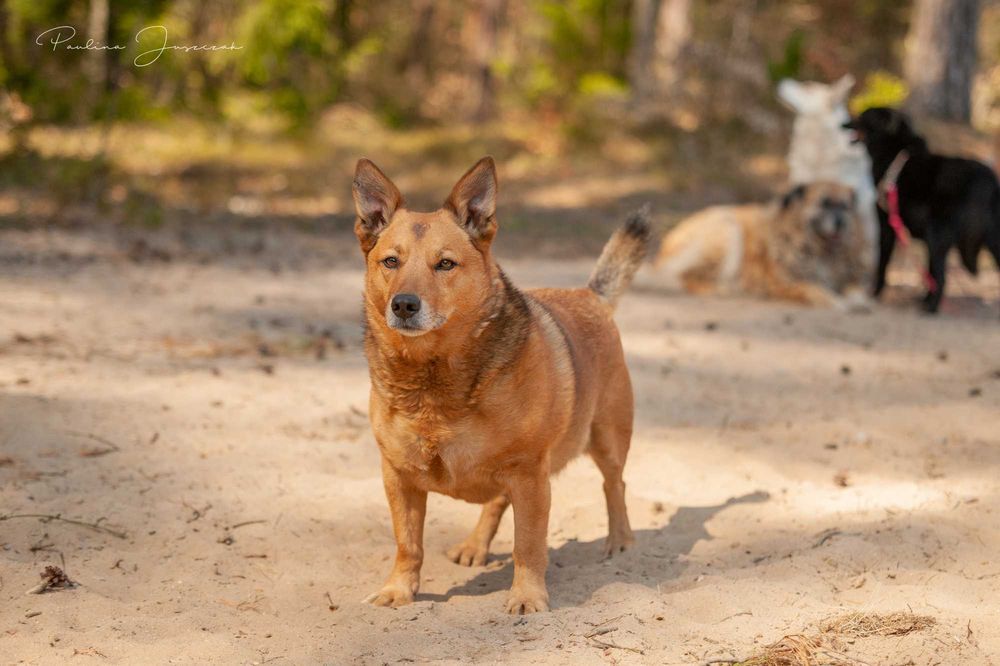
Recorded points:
(421,375)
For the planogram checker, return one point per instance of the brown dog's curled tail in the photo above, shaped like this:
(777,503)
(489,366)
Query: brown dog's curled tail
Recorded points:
(621,257)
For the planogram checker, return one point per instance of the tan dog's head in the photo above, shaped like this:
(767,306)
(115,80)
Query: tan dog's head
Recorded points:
(828,210)
(426,271)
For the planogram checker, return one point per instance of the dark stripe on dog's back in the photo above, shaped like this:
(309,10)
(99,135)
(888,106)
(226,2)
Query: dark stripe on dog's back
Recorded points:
(503,338)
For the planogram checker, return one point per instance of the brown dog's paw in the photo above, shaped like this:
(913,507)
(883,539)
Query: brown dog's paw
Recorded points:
(468,555)
(526,602)
(390,595)
(617,544)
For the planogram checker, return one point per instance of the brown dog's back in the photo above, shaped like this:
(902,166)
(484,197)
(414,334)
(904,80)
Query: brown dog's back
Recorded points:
(584,318)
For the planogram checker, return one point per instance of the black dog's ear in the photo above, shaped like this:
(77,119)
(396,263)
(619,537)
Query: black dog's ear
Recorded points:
(896,121)
(474,200)
(901,129)
(793,195)
(376,198)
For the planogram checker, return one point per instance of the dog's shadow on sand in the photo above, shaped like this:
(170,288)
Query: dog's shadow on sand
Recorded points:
(577,568)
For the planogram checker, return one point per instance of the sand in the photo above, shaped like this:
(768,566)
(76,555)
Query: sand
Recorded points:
(788,466)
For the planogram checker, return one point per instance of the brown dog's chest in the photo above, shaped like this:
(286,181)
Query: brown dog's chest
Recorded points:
(445,457)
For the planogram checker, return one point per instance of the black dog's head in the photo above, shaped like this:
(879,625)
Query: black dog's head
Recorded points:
(885,132)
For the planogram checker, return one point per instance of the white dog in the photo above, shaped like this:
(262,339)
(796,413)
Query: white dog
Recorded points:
(821,149)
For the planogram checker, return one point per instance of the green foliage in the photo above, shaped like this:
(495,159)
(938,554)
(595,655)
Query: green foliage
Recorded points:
(289,51)
(584,49)
(880,89)
(601,84)
(790,64)
(412,61)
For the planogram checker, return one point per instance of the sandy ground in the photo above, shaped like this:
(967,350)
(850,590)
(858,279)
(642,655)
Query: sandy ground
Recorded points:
(788,466)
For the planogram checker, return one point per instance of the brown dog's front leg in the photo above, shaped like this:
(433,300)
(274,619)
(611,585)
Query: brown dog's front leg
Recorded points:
(408,506)
(530,497)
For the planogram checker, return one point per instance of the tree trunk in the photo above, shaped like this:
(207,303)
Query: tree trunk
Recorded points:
(941,57)
(661,31)
(342,25)
(97,30)
(96,61)
(488,39)
(417,59)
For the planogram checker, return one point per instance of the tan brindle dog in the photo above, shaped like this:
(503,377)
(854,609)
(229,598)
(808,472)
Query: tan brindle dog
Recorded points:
(809,246)
(481,391)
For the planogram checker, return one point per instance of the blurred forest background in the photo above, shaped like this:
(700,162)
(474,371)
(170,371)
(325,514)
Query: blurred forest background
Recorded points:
(588,105)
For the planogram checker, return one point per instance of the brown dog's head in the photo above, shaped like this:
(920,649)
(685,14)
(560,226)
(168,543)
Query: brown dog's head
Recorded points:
(828,209)
(426,270)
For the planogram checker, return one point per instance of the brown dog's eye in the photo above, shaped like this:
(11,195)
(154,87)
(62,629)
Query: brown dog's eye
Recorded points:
(390,262)
(445,265)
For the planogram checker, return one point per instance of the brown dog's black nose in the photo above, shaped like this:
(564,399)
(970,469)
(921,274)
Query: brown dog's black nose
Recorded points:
(405,306)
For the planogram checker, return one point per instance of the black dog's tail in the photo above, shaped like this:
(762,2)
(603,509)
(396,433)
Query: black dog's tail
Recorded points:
(621,257)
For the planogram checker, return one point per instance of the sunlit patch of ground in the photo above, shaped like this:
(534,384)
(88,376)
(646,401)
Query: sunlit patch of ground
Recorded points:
(789,467)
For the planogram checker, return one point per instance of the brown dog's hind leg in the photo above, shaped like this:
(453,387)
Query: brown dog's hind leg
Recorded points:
(608,447)
(473,551)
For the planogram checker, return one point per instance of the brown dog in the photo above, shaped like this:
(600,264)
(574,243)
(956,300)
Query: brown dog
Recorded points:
(810,247)
(481,391)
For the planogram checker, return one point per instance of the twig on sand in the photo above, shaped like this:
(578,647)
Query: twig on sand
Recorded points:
(47,517)
(89,652)
(602,644)
(826,535)
(610,619)
(793,650)
(730,617)
(592,636)
(601,632)
(196,513)
(245,523)
(93,453)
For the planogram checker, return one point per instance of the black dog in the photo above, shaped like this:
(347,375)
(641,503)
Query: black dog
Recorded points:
(944,201)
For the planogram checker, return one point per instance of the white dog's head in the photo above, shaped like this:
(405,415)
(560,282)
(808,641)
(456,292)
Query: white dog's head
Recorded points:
(809,98)
(821,148)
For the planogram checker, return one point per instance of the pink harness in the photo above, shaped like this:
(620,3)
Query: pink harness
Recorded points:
(890,191)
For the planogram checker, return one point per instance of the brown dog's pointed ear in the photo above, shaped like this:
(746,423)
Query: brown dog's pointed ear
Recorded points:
(474,200)
(793,195)
(375,200)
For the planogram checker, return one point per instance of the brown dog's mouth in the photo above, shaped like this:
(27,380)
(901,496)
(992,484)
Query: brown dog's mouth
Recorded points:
(831,240)
(406,328)
(417,325)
